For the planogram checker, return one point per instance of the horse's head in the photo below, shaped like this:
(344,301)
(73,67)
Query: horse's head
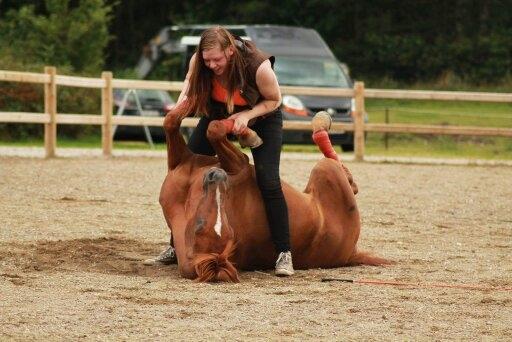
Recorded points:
(209,237)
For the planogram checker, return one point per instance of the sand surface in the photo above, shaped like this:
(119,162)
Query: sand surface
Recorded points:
(73,232)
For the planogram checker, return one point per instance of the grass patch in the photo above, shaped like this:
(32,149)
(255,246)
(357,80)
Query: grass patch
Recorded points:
(85,142)
(139,145)
(439,146)
(457,113)
(397,145)
(427,112)
(407,145)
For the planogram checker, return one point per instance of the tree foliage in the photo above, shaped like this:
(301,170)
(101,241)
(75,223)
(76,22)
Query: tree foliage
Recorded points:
(396,40)
(408,41)
(71,35)
(65,35)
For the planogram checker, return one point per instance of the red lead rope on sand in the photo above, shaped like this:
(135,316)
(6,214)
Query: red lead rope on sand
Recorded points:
(398,283)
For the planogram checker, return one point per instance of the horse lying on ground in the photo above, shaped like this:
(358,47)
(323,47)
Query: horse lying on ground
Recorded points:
(217,219)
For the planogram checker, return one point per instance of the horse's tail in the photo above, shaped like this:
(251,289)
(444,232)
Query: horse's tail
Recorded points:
(216,267)
(365,258)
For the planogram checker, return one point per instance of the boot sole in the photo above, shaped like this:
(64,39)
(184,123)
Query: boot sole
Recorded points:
(284,273)
(152,262)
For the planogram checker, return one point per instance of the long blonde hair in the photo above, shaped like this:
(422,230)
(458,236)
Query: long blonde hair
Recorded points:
(200,83)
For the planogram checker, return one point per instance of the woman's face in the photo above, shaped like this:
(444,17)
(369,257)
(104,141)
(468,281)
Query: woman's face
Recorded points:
(217,59)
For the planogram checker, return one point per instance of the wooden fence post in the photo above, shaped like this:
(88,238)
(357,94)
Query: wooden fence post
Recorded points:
(359,121)
(106,112)
(50,107)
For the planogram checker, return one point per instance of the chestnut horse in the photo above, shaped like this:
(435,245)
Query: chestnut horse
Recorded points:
(217,219)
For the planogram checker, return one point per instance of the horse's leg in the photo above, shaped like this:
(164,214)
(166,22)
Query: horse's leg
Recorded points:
(177,153)
(334,195)
(321,123)
(339,221)
(334,190)
(177,150)
(231,159)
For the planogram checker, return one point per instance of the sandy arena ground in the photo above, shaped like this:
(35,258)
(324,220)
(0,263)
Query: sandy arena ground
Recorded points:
(73,232)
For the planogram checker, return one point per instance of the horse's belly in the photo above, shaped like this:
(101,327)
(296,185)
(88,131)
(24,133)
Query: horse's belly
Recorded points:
(327,249)
(255,251)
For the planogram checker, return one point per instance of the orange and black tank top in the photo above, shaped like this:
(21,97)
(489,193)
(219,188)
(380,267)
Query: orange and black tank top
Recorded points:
(220,94)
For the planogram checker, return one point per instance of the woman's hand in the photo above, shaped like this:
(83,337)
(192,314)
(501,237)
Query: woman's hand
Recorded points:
(241,121)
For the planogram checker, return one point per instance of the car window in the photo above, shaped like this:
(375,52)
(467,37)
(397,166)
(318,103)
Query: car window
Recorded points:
(311,71)
(287,37)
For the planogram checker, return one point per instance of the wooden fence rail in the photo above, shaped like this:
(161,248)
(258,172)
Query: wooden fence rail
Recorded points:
(51,118)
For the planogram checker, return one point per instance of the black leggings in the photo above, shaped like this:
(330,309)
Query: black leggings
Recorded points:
(266,162)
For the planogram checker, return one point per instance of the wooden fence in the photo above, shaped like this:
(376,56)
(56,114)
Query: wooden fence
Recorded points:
(50,118)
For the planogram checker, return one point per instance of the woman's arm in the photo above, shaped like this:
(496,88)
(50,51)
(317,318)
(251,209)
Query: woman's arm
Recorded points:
(268,87)
(266,81)
(184,90)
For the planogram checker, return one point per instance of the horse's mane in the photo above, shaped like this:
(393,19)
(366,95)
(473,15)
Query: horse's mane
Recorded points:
(216,267)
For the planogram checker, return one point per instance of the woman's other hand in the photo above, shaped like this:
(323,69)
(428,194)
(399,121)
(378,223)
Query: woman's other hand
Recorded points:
(241,122)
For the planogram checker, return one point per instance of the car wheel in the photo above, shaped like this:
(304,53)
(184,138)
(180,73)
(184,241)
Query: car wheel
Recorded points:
(347,147)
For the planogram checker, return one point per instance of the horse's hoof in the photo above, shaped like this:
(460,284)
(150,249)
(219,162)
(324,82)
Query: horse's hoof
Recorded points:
(218,129)
(321,121)
(250,139)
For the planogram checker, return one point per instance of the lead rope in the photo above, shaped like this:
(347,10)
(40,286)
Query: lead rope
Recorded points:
(422,285)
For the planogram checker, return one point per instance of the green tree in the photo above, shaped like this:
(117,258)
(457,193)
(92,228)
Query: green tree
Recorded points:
(71,35)
(67,36)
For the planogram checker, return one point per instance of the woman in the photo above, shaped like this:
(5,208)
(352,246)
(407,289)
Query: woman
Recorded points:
(230,78)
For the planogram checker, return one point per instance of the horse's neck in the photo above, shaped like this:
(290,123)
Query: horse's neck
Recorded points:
(243,175)
(231,160)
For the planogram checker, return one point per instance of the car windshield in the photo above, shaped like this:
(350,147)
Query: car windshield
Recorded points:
(309,72)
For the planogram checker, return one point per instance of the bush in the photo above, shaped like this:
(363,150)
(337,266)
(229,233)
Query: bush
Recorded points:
(67,36)
(70,35)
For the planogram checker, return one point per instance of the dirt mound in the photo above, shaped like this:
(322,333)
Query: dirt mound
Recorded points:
(110,255)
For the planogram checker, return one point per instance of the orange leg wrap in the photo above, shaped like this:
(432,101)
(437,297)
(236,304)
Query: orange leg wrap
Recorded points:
(321,139)
(230,123)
